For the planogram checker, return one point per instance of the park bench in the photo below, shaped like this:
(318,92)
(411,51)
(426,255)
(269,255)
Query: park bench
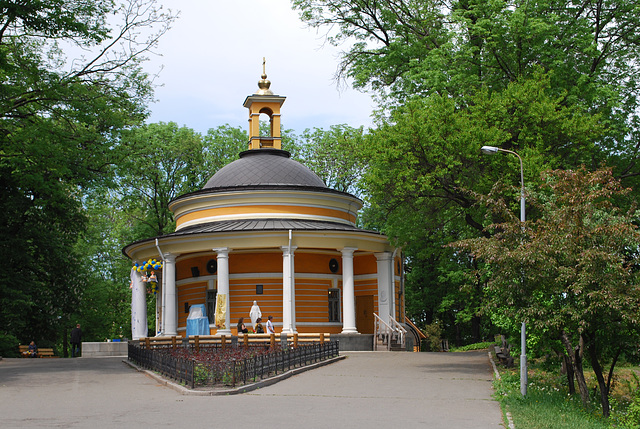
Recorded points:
(504,356)
(42,352)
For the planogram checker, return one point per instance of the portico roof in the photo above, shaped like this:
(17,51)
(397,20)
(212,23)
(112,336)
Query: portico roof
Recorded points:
(253,228)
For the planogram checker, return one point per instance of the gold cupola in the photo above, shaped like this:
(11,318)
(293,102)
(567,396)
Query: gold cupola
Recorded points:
(264,101)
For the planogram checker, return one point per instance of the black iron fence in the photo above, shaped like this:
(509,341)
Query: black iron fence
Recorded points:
(232,371)
(179,369)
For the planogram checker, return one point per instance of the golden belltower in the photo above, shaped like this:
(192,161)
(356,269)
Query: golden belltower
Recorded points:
(264,102)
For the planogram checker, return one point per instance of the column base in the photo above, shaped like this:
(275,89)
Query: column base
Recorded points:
(225,332)
(349,331)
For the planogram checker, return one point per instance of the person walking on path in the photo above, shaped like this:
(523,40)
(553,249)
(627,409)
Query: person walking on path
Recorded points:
(76,339)
(270,325)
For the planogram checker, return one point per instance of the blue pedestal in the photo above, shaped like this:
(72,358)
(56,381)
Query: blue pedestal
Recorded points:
(197,322)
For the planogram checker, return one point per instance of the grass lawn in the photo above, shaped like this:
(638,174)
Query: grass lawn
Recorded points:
(549,405)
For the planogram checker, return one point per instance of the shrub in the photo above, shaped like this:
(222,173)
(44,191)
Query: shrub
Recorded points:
(631,419)
(8,345)
(433,342)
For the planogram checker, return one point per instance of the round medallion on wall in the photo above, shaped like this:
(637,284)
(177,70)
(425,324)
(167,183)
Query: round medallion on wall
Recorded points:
(333,265)
(212,266)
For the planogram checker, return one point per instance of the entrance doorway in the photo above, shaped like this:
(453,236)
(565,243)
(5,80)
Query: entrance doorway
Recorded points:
(364,314)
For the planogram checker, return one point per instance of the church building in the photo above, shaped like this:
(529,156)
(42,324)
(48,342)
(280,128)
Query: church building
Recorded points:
(266,228)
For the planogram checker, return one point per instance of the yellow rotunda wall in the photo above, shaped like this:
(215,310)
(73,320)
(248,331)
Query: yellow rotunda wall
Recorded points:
(313,280)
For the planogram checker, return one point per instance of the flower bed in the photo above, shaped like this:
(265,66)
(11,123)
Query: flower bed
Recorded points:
(211,366)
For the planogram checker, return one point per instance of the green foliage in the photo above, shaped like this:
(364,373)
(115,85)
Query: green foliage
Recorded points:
(8,346)
(631,418)
(545,406)
(222,146)
(335,155)
(475,346)
(550,80)
(573,271)
(433,342)
(164,162)
(59,129)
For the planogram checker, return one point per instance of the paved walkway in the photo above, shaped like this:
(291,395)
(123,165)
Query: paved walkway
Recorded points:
(366,390)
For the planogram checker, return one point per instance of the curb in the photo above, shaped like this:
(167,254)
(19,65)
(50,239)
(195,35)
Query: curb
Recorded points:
(233,391)
(497,375)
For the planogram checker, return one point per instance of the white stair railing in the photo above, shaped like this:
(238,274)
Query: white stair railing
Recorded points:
(400,331)
(382,332)
(388,332)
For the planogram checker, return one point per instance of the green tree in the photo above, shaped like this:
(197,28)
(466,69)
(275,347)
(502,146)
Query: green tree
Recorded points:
(164,162)
(423,158)
(59,123)
(552,80)
(222,145)
(335,155)
(572,272)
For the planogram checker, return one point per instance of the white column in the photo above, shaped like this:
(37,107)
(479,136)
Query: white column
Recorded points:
(348,292)
(139,327)
(171,304)
(385,289)
(288,290)
(392,290)
(223,286)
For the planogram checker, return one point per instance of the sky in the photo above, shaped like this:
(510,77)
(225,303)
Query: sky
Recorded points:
(212,60)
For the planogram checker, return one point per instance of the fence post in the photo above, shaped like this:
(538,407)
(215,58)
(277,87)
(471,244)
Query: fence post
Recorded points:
(192,365)
(321,338)
(223,341)
(233,377)
(295,339)
(245,340)
(173,342)
(147,343)
(272,340)
(196,343)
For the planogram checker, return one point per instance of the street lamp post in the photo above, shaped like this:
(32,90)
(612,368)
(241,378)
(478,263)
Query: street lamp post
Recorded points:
(492,150)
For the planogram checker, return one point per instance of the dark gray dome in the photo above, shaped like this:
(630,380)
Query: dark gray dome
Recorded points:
(264,167)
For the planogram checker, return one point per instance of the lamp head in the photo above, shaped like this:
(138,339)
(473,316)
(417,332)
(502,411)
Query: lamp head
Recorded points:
(489,150)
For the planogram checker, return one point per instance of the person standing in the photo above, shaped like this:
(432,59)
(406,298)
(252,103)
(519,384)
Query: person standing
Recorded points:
(76,339)
(270,325)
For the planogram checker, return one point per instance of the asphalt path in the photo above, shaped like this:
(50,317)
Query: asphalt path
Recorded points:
(365,390)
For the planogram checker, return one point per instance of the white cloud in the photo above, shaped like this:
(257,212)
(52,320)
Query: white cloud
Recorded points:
(212,60)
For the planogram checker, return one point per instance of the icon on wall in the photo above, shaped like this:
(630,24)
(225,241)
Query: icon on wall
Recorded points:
(212,266)
(333,265)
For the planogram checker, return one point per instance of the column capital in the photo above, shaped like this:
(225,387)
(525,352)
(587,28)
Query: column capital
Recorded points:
(348,251)
(383,256)
(222,251)
(285,249)
(171,257)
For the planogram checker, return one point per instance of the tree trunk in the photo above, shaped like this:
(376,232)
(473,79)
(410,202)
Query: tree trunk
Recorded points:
(576,362)
(590,345)
(475,329)
(566,364)
(65,343)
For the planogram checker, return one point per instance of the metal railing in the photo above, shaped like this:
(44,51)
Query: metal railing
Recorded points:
(389,333)
(400,332)
(233,371)
(181,370)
